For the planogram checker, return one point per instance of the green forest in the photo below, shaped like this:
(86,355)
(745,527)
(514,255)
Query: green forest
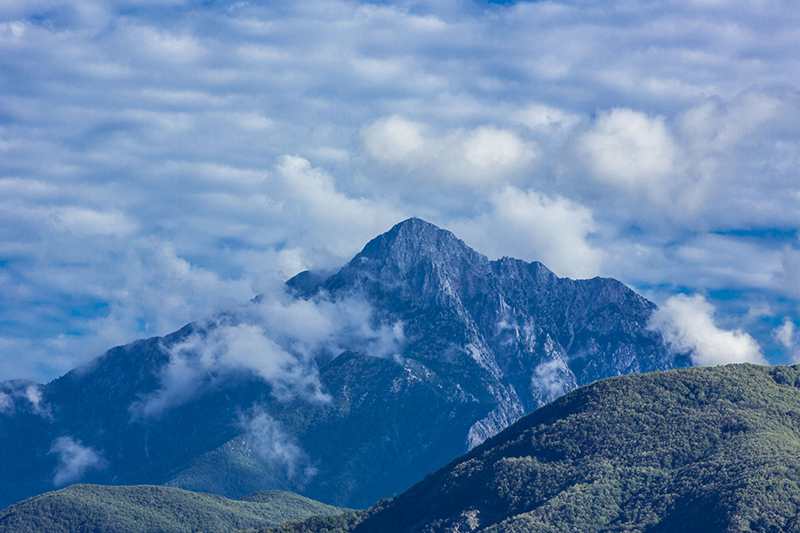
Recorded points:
(149,509)
(712,449)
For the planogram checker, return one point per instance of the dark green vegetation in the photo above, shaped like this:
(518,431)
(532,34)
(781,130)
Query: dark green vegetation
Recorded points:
(148,509)
(700,449)
(340,523)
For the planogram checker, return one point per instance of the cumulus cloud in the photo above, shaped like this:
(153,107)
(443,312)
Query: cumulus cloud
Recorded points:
(715,127)
(74,460)
(531,226)
(687,324)
(279,339)
(478,157)
(632,151)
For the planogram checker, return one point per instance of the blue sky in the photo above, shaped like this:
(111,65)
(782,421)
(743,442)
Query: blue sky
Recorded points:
(159,160)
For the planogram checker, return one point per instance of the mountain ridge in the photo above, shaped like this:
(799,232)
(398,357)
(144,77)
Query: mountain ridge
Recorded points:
(442,348)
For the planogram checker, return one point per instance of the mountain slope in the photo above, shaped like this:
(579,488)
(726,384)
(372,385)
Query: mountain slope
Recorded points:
(133,509)
(346,388)
(701,449)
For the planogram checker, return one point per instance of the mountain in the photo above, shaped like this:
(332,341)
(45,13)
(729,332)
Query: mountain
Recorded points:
(693,450)
(345,388)
(144,509)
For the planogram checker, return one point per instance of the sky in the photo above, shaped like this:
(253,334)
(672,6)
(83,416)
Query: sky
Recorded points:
(160,160)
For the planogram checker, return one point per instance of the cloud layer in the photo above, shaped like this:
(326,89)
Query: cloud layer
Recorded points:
(159,159)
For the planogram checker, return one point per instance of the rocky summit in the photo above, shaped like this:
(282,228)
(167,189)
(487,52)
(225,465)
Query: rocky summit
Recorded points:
(346,388)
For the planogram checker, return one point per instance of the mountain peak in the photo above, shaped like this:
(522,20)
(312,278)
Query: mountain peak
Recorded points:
(414,254)
(414,239)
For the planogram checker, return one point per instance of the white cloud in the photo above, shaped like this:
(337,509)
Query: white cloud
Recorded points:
(687,324)
(341,224)
(785,333)
(23,395)
(632,151)
(266,437)
(552,379)
(712,127)
(74,460)
(478,157)
(90,222)
(279,340)
(531,226)
(789,338)
(393,139)
(204,361)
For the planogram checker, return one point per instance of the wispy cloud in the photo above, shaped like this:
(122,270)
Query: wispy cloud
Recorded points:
(280,340)
(74,460)
(23,396)
(266,438)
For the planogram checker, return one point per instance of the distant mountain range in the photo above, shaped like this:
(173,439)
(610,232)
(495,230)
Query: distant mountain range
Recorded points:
(707,450)
(346,388)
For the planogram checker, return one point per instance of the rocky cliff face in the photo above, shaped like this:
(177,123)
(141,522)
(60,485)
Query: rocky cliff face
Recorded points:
(512,334)
(451,349)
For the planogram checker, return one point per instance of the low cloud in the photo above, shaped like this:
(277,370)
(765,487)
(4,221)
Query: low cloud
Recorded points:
(24,396)
(687,325)
(272,445)
(788,336)
(6,403)
(74,460)
(552,379)
(279,339)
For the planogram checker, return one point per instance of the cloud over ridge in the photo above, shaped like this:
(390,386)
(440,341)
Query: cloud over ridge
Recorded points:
(687,324)
(278,339)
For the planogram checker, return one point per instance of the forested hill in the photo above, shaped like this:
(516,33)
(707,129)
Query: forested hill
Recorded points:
(699,449)
(148,509)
